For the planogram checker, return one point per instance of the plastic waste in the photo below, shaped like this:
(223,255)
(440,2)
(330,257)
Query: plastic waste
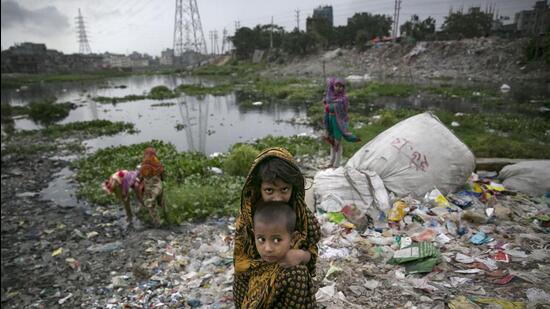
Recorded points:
(502,303)
(397,212)
(108,247)
(355,216)
(461,302)
(436,198)
(418,258)
(57,252)
(480,238)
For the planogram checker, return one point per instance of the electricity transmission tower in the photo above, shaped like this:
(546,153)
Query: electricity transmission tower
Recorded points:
(84,46)
(188,22)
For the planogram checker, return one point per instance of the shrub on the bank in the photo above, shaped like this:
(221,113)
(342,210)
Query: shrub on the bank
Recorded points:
(161,92)
(297,145)
(200,197)
(190,191)
(538,48)
(47,111)
(240,159)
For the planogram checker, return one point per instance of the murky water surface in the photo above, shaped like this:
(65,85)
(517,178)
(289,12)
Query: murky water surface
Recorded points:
(207,124)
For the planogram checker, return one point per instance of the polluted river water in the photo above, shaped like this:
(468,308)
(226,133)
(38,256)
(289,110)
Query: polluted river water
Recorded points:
(206,124)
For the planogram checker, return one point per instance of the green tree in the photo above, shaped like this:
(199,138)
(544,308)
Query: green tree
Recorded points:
(418,29)
(475,23)
(246,40)
(299,43)
(373,25)
(320,29)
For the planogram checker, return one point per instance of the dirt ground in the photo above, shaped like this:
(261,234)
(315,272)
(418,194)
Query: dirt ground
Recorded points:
(486,60)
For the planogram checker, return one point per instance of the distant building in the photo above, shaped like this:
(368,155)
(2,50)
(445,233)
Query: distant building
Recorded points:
(324,12)
(534,21)
(24,58)
(167,57)
(117,61)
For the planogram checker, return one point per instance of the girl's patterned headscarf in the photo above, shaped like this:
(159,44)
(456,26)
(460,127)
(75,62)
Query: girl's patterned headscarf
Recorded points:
(331,92)
(246,257)
(150,166)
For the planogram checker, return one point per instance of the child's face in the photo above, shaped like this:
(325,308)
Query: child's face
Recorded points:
(338,88)
(277,191)
(272,240)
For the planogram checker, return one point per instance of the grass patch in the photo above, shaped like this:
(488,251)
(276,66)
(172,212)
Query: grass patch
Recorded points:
(163,104)
(375,90)
(280,91)
(234,69)
(18,80)
(156,93)
(47,111)
(83,128)
(196,90)
(487,135)
(297,145)
(240,159)
(28,148)
(191,190)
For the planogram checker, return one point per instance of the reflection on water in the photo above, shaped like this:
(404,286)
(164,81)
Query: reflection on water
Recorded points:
(213,123)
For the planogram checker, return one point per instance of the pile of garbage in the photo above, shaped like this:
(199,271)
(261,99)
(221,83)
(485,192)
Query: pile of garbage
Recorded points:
(395,227)
(483,244)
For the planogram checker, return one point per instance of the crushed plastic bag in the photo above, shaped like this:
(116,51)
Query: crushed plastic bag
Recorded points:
(504,304)
(397,212)
(418,258)
(480,238)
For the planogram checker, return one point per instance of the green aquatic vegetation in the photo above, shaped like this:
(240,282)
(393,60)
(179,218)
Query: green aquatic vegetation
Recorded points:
(28,148)
(163,104)
(43,140)
(297,145)
(200,197)
(89,128)
(85,129)
(46,111)
(191,190)
(160,93)
(375,90)
(239,159)
(114,100)
(234,69)
(195,90)
(278,90)
(16,81)
(448,90)
(156,93)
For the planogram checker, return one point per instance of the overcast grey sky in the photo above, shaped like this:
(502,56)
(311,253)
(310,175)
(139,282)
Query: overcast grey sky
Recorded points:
(147,26)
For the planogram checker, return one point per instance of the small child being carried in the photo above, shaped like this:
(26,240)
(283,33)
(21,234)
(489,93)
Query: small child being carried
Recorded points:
(274,235)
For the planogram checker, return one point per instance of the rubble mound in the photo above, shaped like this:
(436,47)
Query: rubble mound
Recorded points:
(493,60)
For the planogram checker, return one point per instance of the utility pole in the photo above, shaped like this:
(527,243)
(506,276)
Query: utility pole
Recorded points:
(297,20)
(224,39)
(396,10)
(271,34)
(215,48)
